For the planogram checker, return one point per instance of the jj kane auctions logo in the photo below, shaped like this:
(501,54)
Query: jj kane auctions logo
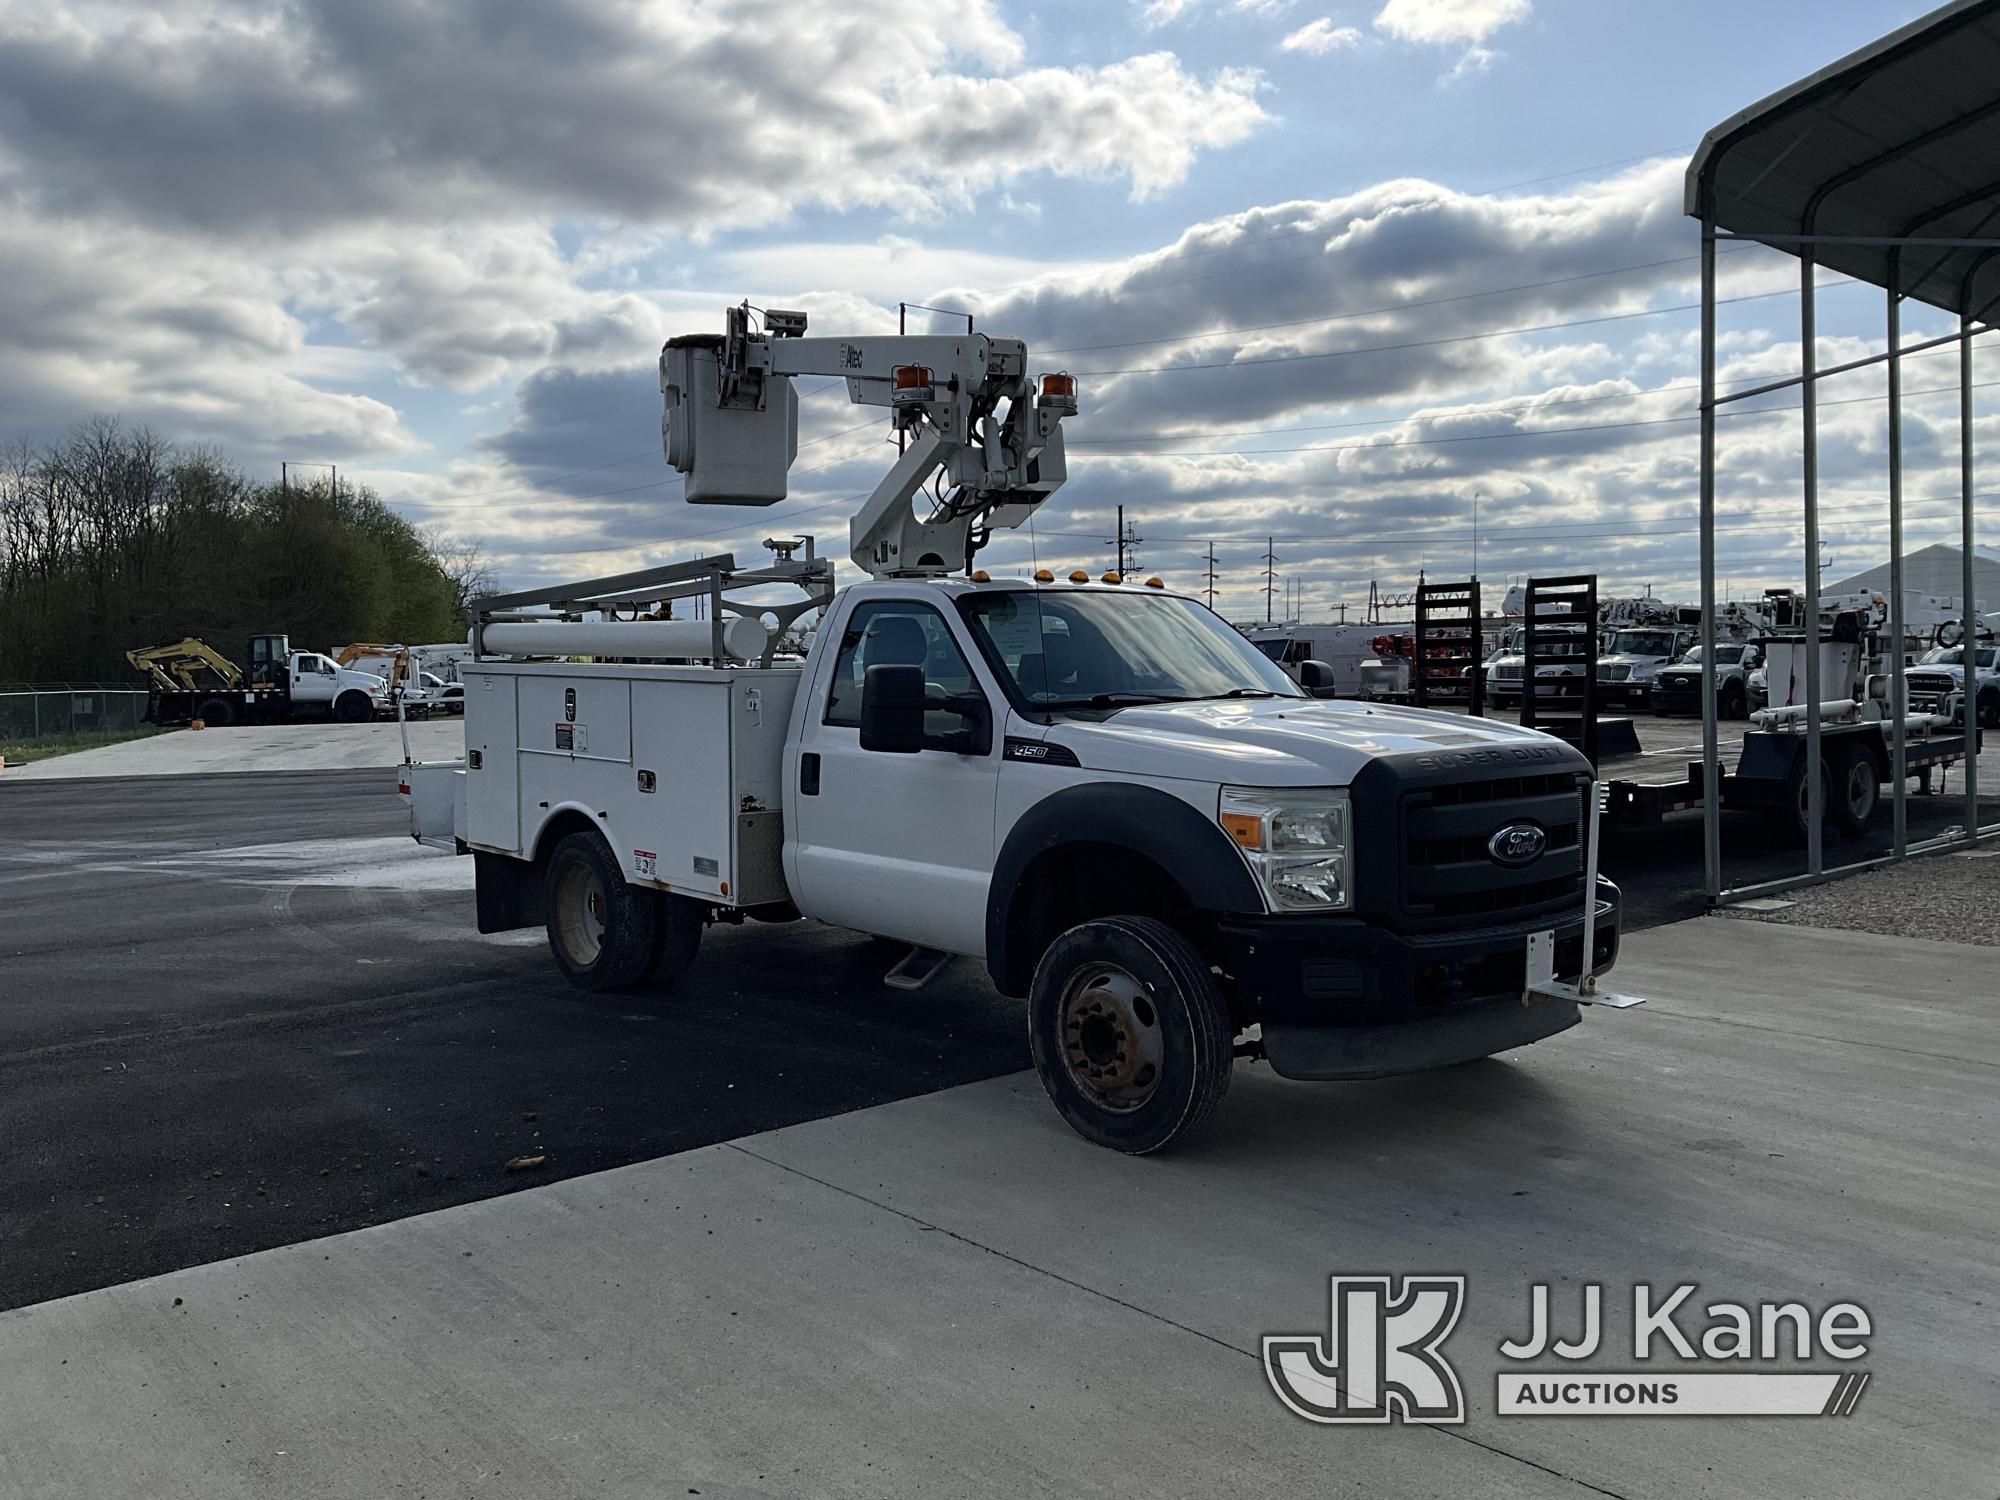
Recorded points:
(1382,1357)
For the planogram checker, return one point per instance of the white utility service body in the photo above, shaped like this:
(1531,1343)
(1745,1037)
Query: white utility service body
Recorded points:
(1136,820)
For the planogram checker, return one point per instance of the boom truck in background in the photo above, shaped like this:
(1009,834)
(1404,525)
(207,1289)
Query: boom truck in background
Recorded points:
(1136,820)
(190,680)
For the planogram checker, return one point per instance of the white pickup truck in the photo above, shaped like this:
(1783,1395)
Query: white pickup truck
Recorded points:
(1137,821)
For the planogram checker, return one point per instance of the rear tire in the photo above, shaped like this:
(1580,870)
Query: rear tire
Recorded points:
(353,708)
(1856,790)
(1130,1035)
(216,713)
(676,937)
(1989,710)
(602,929)
(1788,818)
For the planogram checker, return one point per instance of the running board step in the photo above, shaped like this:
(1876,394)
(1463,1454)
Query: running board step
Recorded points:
(916,969)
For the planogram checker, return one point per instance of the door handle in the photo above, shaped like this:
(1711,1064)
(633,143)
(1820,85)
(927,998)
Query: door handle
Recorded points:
(809,774)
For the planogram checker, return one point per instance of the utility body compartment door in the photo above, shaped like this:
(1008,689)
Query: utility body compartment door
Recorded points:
(492,762)
(900,845)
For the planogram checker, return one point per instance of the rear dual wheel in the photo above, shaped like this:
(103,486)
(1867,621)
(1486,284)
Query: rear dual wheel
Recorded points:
(608,934)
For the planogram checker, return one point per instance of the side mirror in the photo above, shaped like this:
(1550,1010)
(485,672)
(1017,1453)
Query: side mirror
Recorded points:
(1316,677)
(892,709)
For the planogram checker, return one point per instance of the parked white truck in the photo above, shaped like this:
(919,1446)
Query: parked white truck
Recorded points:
(1135,819)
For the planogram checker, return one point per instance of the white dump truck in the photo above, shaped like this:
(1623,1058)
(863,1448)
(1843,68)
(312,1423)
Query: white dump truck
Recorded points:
(1096,787)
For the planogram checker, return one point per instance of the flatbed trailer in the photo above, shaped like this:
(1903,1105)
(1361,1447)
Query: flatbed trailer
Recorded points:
(1770,775)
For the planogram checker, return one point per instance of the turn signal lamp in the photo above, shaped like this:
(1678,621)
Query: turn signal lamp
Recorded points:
(1154,583)
(911,385)
(1059,393)
(1244,829)
(1043,575)
(1079,576)
(1112,578)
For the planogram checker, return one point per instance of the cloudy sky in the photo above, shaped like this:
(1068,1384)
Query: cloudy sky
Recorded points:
(1333,274)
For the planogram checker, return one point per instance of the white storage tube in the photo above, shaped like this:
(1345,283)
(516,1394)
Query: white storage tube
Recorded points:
(742,638)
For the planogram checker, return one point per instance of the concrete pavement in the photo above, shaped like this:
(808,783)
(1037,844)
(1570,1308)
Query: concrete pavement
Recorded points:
(312,746)
(952,1295)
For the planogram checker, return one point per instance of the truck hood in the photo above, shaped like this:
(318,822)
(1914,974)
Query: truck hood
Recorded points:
(1277,741)
(348,677)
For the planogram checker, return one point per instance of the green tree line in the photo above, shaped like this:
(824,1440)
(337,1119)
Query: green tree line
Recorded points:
(116,539)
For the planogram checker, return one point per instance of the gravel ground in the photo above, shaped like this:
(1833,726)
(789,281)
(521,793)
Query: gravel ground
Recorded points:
(1938,897)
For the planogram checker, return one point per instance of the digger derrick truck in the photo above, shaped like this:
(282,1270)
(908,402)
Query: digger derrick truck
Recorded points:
(191,681)
(1138,822)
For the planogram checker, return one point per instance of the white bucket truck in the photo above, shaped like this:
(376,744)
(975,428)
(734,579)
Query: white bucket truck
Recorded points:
(1135,819)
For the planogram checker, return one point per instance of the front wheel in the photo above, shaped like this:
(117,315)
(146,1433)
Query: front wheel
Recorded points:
(1734,703)
(1130,1035)
(602,929)
(353,708)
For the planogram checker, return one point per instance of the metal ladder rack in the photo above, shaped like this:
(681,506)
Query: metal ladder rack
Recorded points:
(1447,645)
(1561,630)
(711,578)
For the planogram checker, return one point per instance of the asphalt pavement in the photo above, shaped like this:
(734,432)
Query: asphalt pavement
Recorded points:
(241,1011)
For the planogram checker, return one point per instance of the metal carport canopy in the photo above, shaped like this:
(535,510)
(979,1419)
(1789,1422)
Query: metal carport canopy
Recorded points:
(1899,141)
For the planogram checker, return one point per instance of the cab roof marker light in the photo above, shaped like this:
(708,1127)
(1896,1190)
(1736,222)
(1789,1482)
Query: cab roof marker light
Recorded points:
(1043,575)
(1111,578)
(980,575)
(1079,576)
(1154,583)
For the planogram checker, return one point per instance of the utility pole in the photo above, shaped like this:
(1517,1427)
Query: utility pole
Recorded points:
(1475,535)
(1128,538)
(1270,575)
(1211,575)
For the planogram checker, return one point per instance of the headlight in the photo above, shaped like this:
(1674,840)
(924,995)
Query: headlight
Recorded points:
(1297,840)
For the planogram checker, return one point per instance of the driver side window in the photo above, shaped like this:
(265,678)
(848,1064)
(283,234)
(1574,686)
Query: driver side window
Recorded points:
(896,633)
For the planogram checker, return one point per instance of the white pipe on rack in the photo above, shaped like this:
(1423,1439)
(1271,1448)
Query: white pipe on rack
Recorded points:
(742,638)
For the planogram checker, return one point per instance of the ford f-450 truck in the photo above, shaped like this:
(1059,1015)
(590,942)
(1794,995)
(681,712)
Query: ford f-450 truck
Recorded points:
(1134,819)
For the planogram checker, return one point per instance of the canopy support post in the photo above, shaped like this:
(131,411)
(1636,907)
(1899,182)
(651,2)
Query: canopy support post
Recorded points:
(1809,414)
(1898,711)
(1969,649)
(1711,757)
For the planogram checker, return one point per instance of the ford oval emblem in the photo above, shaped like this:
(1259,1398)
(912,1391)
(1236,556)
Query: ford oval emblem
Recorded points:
(1516,845)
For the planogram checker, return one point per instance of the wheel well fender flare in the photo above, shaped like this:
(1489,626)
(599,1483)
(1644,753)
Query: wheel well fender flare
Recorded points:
(1156,825)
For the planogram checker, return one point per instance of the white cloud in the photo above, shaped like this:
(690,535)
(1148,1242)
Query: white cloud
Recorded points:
(1449,21)
(1321,36)
(1165,12)
(696,114)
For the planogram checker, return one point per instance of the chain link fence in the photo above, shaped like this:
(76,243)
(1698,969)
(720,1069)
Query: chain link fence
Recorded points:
(45,710)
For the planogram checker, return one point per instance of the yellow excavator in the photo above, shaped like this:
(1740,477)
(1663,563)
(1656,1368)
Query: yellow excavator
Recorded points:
(187,666)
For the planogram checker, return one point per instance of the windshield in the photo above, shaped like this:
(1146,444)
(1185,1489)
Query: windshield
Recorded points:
(1725,656)
(1103,650)
(1643,643)
(1953,656)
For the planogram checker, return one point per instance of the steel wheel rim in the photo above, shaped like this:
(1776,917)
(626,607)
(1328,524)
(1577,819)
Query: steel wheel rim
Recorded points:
(1861,789)
(1113,1048)
(580,913)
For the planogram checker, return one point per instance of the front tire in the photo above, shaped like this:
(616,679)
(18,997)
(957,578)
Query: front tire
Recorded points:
(1735,703)
(602,929)
(1130,1035)
(353,708)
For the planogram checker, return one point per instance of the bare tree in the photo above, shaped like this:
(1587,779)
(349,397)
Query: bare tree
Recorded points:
(464,564)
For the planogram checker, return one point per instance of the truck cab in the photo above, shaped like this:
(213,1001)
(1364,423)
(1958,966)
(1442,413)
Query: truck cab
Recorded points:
(1936,683)
(1638,652)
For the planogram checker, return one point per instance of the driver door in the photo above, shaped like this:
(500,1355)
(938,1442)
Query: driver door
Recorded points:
(900,845)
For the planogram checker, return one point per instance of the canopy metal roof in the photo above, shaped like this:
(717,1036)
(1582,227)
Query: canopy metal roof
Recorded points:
(1890,154)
